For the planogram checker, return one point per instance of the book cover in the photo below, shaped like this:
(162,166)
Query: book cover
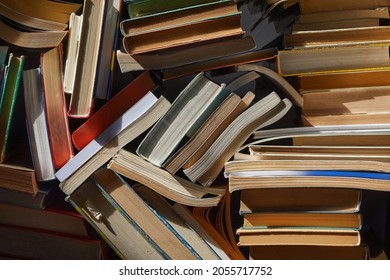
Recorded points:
(13,74)
(112,109)
(55,105)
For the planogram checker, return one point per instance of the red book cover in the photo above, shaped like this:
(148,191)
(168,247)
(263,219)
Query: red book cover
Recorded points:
(112,110)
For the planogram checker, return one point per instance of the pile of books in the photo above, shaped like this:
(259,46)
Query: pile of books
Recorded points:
(146,116)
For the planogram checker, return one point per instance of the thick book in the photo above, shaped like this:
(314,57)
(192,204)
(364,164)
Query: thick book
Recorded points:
(338,37)
(158,223)
(55,106)
(37,125)
(310,6)
(186,55)
(309,252)
(116,137)
(95,56)
(121,233)
(189,110)
(299,220)
(295,236)
(113,109)
(332,59)
(9,92)
(151,7)
(306,200)
(31,40)
(173,187)
(18,175)
(377,181)
(264,112)
(187,33)
(128,119)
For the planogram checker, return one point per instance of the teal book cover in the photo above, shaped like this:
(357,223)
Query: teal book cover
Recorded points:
(13,73)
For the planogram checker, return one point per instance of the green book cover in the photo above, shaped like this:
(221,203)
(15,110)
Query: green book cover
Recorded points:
(13,72)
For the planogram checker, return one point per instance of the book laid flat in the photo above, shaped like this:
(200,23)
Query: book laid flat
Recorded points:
(9,92)
(109,221)
(294,236)
(192,150)
(18,176)
(308,200)
(295,220)
(336,25)
(156,223)
(26,243)
(378,181)
(186,33)
(151,7)
(309,6)
(189,110)
(170,186)
(349,79)
(338,37)
(263,113)
(185,55)
(330,59)
(309,252)
(44,9)
(55,105)
(33,40)
(135,122)
(346,14)
(138,25)
(344,119)
(37,126)
(113,109)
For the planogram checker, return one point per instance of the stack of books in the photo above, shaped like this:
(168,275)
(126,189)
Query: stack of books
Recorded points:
(301,223)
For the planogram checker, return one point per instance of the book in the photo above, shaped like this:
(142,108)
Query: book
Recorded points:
(173,187)
(150,7)
(307,200)
(344,119)
(309,252)
(186,55)
(335,25)
(309,6)
(72,51)
(127,119)
(187,230)
(55,105)
(378,181)
(126,128)
(25,243)
(338,37)
(208,132)
(57,217)
(345,14)
(172,18)
(332,59)
(97,39)
(299,220)
(122,234)
(31,40)
(346,79)
(112,109)
(294,236)
(9,92)
(261,114)
(37,126)
(17,174)
(156,223)
(44,9)
(187,33)
(188,112)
